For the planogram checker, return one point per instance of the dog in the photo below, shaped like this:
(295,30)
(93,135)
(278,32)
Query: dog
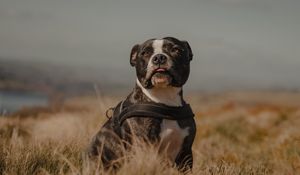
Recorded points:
(162,67)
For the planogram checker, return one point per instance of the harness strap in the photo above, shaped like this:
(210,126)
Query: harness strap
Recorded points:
(125,111)
(156,111)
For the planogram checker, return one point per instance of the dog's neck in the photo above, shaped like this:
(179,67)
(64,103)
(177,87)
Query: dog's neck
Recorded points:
(171,96)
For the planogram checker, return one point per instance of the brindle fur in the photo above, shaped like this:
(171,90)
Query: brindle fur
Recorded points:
(109,145)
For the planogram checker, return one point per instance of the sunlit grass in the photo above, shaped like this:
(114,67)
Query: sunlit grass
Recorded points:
(231,139)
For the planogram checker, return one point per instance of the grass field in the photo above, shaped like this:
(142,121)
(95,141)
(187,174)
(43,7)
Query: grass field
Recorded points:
(238,133)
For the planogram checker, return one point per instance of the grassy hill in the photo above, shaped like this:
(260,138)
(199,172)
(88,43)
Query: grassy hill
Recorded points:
(237,133)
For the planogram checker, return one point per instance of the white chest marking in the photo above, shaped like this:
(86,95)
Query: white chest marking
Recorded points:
(168,96)
(172,137)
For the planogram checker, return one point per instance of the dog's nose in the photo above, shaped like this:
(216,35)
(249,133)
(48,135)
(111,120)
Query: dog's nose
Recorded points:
(159,59)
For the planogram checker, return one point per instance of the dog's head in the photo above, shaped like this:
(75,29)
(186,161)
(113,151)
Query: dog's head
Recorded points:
(162,62)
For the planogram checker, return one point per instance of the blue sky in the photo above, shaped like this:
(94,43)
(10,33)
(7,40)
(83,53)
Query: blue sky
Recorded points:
(237,43)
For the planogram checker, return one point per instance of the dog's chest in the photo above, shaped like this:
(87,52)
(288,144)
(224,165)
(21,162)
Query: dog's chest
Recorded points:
(172,137)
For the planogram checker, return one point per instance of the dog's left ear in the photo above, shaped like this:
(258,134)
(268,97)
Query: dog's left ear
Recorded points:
(188,47)
(133,54)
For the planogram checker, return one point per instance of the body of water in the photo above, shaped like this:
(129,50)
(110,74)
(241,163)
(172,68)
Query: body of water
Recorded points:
(11,101)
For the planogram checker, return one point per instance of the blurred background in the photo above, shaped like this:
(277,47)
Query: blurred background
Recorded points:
(63,63)
(50,50)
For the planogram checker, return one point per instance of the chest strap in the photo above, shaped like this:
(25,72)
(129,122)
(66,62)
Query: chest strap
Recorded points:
(125,110)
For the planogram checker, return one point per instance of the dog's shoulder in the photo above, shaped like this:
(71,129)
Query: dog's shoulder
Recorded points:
(143,127)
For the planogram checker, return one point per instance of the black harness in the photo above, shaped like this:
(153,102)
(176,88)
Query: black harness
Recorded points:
(125,110)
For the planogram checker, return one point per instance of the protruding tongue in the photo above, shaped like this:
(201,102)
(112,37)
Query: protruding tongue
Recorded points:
(160,70)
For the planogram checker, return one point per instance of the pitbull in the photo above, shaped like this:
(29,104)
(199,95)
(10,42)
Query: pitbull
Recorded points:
(162,68)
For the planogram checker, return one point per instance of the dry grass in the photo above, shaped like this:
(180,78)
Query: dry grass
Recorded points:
(238,133)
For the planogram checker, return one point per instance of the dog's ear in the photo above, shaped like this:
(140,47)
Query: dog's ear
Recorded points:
(188,47)
(133,54)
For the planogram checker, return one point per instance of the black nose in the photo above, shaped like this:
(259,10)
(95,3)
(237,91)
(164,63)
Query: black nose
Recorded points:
(159,59)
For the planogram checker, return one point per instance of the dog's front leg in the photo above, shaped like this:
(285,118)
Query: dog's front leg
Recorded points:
(184,160)
(106,148)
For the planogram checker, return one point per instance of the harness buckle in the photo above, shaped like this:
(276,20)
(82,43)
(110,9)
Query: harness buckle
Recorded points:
(109,112)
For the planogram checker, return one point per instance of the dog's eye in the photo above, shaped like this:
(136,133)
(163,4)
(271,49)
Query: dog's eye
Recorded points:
(145,53)
(176,50)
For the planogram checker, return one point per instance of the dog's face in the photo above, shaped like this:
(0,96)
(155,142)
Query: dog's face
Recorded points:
(162,62)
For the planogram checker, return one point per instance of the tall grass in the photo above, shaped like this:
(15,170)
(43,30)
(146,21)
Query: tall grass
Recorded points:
(232,138)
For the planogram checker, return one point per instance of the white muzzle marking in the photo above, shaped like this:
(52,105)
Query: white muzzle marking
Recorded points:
(158,49)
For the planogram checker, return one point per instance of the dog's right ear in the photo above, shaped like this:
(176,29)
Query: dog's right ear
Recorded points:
(133,54)
(188,47)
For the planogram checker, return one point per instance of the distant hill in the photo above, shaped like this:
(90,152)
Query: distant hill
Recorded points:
(52,78)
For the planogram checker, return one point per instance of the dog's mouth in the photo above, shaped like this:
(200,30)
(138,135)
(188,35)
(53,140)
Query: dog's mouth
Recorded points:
(161,77)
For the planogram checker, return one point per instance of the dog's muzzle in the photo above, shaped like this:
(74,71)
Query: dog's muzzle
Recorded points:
(159,59)
(158,71)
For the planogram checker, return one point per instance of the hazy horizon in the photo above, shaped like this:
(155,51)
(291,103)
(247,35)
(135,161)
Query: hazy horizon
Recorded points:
(236,43)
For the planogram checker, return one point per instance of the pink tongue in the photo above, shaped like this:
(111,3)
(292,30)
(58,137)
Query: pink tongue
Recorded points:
(160,70)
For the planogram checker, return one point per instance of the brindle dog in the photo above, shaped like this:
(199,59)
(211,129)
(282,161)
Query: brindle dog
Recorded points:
(162,68)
